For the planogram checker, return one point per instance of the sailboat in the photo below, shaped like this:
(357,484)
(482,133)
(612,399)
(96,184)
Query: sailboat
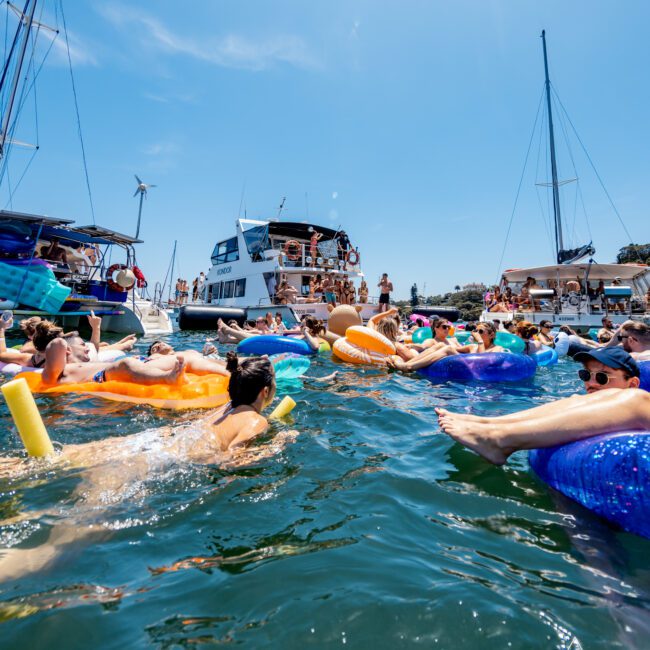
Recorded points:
(571,292)
(49,267)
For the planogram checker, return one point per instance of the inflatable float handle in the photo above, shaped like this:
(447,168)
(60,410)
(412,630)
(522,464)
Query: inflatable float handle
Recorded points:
(283,408)
(26,417)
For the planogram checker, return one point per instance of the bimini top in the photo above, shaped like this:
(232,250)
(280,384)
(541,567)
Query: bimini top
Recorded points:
(297,230)
(572,271)
(8,215)
(110,236)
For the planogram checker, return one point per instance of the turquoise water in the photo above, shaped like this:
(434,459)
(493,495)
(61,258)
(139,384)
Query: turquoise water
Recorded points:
(369,526)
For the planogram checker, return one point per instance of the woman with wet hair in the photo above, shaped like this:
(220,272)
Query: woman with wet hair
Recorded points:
(312,331)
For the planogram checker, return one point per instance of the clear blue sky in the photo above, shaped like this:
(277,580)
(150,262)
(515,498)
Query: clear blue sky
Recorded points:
(407,122)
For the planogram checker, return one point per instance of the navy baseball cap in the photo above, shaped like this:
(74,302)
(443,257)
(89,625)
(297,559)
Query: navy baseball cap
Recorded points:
(615,357)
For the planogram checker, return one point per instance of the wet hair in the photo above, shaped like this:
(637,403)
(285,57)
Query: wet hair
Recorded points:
(45,332)
(565,329)
(314,325)
(419,322)
(470,327)
(247,378)
(508,324)
(28,325)
(151,347)
(604,337)
(389,328)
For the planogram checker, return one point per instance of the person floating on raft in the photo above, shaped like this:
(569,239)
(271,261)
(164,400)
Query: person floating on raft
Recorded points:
(608,407)
(67,362)
(436,349)
(195,362)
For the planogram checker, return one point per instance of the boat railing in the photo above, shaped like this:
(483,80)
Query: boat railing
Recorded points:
(293,254)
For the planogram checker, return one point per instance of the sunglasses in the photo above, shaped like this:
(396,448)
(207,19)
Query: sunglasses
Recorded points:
(482,332)
(620,337)
(443,327)
(602,378)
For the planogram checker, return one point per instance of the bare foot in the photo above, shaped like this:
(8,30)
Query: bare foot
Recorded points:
(397,363)
(219,324)
(479,437)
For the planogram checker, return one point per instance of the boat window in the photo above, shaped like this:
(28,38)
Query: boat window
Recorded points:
(257,241)
(228,288)
(215,290)
(226,251)
(240,288)
(304,285)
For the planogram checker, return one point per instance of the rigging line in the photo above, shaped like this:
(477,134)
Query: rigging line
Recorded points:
(600,180)
(521,180)
(20,180)
(575,171)
(76,107)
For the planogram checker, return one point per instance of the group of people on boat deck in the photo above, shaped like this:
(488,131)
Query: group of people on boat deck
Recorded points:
(504,299)
(323,288)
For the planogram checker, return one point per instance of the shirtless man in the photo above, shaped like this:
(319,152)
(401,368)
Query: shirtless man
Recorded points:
(54,252)
(608,406)
(67,362)
(635,337)
(385,287)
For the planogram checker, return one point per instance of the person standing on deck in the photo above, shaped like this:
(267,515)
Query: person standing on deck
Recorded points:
(385,287)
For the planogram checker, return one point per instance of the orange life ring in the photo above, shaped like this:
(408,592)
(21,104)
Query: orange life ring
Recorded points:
(292,250)
(352,253)
(109,278)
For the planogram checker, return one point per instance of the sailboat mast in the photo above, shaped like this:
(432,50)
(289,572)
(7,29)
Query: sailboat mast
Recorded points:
(559,240)
(27,20)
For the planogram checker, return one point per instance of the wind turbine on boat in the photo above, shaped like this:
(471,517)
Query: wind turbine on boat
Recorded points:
(142,190)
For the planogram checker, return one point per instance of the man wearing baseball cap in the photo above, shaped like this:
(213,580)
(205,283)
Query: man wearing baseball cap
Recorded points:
(608,368)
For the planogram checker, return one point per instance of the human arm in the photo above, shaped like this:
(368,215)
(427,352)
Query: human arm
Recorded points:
(313,341)
(4,325)
(372,322)
(56,355)
(95,323)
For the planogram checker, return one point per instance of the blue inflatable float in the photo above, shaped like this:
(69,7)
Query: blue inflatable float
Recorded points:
(609,474)
(545,357)
(272,344)
(644,367)
(490,366)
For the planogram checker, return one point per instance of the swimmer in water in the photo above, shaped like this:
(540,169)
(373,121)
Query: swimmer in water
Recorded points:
(112,467)
(608,406)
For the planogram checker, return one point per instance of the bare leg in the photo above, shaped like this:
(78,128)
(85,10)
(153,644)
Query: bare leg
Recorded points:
(199,365)
(590,415)
(135,371)
(423,359)
(235,335)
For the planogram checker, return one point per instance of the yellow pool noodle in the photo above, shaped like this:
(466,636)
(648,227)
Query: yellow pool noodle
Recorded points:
(283,408)
(26,417)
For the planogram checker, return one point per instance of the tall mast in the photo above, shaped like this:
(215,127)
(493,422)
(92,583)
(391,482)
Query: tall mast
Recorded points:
(27,20)
(559,241)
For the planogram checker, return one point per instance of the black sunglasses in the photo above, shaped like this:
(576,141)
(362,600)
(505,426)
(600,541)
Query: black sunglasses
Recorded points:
(482,332)
(620,337)
(444,327)
(602,378)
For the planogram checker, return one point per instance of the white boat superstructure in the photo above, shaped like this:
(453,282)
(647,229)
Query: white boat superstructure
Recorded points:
(577,295)
(248,268)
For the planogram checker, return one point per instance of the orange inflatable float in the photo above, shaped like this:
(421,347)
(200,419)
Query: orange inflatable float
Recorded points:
(198,391)
(362,345)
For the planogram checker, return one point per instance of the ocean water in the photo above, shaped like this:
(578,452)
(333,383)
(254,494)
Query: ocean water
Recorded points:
(355,522)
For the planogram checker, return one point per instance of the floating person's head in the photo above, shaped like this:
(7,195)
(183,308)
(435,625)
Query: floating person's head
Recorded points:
(608,368)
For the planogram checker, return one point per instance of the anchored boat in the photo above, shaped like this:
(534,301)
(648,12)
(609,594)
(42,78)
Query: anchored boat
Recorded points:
(571,292)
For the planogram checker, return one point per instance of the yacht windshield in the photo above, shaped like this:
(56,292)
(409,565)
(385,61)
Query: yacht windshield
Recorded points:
(226,251)
(257,240)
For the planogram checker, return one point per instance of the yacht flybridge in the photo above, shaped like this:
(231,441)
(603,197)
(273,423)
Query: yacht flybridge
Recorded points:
(571,292)
(248,269)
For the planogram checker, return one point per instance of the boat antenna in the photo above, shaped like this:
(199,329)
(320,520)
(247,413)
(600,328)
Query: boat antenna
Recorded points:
(241,198)
(284,198)
(559,242)
(142,190)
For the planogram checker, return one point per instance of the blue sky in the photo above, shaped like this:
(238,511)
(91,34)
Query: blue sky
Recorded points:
(406,122)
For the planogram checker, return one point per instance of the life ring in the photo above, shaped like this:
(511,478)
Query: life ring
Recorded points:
(489,366)
(292,250)
(109,278)
(353,257)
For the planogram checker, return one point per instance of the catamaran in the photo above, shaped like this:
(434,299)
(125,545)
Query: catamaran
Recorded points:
(571,292)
